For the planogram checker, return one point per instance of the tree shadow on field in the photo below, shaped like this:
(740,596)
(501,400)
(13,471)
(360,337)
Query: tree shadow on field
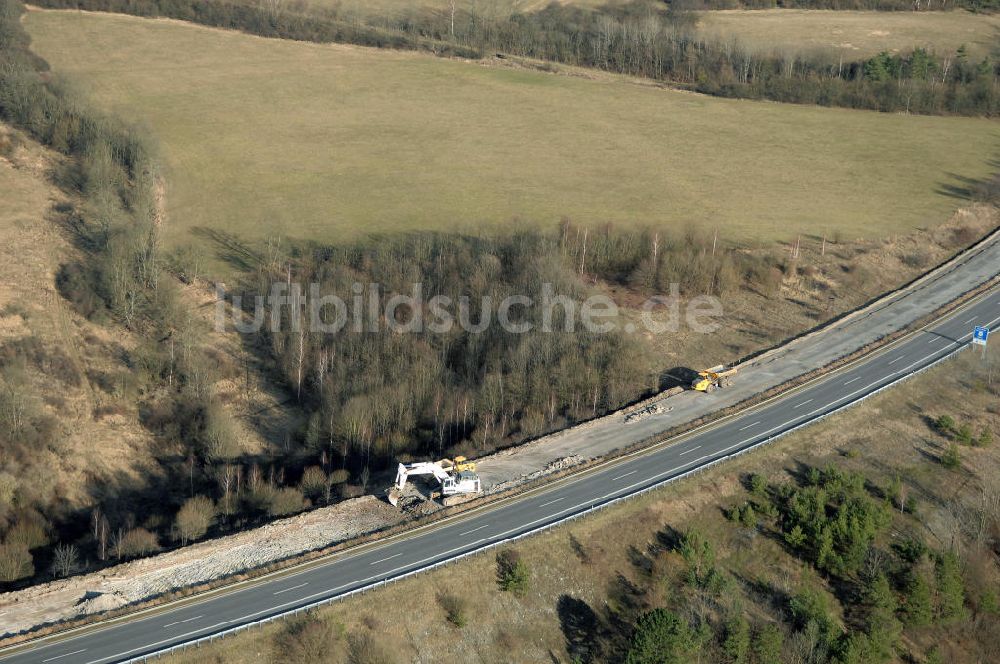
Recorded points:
(230,248)
(581,627)
(966,188)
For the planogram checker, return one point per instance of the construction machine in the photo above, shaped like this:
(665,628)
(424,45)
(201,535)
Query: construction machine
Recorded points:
(710,379)
(455,477)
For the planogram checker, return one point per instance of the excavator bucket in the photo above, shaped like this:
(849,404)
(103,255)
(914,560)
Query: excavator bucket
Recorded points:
(392,495)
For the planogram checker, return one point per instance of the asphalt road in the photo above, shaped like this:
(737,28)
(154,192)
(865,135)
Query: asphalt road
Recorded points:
(341,574)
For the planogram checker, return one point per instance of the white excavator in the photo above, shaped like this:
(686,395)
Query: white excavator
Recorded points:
(456,478)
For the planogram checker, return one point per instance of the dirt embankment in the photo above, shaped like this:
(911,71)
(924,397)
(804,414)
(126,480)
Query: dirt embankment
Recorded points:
(199,563)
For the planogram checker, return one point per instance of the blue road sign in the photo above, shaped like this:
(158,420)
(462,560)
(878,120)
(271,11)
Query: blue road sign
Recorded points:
(980,335)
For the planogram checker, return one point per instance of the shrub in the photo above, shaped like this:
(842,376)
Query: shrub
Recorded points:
(964,434)
(661,637)
(512,572)
(135,543)
(985,438)
(194,518)
(454,608)
(314,483)
(366,649)
(952,458)
(339,476)
(945,424)
(288,500)
(306,640)
(79,286)
(218,436)
(30,531)
(15,563)
(810,606)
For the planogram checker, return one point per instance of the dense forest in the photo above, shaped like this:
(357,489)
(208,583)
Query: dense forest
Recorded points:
(639,39)
(376,394)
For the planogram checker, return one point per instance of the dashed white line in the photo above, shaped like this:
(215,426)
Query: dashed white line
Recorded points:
(447,553)
(753,424)
(897,359)
(385,559)
(696,447)
(552,501)
(631,472)
(190,619)
(176,622)
(970,320)
(473,530)
(75,652)
(301,585)
(804,403)
(852,380)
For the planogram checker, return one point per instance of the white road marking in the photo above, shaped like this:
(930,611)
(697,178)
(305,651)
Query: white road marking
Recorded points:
(631,472)
(446,554)
(750,425)
(970,320)
(552,501)
(897,359)
(852,380)
(473,530)
(696,447)
(804,403)
(159,643)
(176,622)
(75,652)
(385,559)
(301,585)
(190,619)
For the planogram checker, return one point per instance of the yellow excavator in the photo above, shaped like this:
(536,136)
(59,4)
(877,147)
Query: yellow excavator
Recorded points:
(456,478)
(714,378)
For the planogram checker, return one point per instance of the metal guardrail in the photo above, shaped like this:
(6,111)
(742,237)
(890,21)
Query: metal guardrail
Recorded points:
(532,531)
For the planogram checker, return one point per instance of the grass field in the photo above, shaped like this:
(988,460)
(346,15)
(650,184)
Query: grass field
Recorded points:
(481,7)
(854,34)
(269,138)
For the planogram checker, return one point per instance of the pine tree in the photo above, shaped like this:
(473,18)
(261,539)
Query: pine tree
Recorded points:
(918,611)
(737,642)
(951,588)
(661,637)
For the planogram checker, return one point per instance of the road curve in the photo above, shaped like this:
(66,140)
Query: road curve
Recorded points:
(343,573)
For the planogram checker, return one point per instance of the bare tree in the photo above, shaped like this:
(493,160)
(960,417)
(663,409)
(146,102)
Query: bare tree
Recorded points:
(65,560)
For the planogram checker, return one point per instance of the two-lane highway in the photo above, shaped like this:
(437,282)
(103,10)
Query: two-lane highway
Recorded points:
(125,640)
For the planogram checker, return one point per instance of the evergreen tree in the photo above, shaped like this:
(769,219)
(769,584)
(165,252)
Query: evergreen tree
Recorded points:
(767,645)
(737,641)
(918,611)
(951,588)
(661,637)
